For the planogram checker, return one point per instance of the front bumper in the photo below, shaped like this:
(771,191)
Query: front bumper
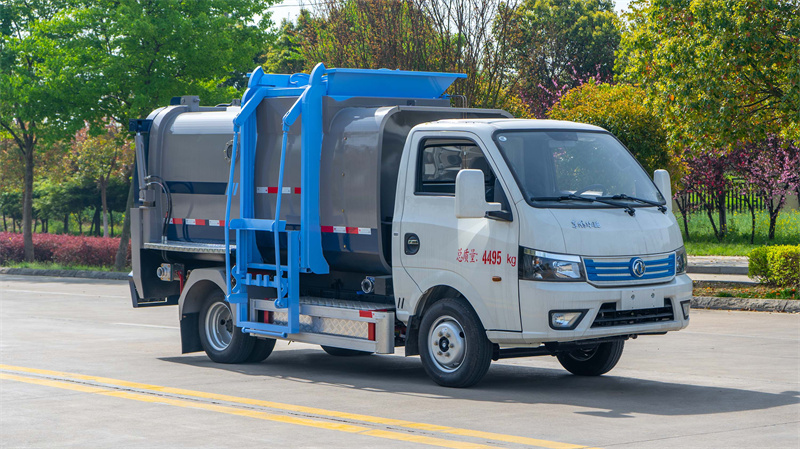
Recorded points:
(537,299)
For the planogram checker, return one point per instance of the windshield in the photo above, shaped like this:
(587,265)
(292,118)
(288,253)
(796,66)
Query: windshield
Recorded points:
(556,166)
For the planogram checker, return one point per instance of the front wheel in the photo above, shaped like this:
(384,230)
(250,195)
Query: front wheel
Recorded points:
(592,360)
(453,345)
(222,340)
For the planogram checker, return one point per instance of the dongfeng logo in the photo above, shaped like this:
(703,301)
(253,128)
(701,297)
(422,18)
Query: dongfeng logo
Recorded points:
(637,267)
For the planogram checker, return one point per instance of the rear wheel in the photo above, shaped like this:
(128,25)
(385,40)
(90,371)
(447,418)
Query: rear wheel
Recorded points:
(592,360)
(341,352)
(222,340)
(453,345)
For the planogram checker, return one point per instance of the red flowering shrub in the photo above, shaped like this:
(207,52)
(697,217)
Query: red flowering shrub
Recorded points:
(60,248)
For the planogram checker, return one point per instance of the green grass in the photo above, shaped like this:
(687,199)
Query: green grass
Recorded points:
(737,242)
(59,266)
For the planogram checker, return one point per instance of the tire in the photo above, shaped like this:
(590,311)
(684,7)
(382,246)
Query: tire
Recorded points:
(594,360)
(262,348)
(222,341)
(453,345)
(341,352)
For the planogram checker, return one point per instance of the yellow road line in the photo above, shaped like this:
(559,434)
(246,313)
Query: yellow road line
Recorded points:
(302,409)
(340,427)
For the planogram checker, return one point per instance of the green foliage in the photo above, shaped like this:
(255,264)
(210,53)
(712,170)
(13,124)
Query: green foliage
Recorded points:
(285,55)
(620,109)
(720,71)
(757,262)
(784,265)
(778,265)
(562,41)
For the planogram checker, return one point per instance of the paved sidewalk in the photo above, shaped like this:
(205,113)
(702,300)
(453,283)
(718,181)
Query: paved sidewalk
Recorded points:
(717,265)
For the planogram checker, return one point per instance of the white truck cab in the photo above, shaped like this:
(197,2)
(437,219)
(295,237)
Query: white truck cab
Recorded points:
(358,210)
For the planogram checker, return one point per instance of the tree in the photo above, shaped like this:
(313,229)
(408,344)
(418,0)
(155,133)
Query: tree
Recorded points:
(42,85)
(721,72)
(706,176)
(560,43)
(146,52)
(620,109)
(465,36)
(101,157)
(771,169)
(285,55)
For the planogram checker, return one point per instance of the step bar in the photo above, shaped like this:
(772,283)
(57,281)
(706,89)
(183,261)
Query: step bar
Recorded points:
(343,324)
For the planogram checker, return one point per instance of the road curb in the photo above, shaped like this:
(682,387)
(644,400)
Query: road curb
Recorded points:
(748,304)
(109,275)
(704,269)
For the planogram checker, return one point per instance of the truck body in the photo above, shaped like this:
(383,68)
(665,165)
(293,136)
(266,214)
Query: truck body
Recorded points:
(358,210)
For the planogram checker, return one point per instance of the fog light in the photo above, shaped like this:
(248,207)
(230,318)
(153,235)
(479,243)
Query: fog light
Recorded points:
(686,305)
(566,319)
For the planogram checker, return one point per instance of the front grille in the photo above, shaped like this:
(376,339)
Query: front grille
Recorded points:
(610,316)
(617,270)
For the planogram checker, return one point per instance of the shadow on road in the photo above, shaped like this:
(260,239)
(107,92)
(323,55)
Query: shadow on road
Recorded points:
(506,383)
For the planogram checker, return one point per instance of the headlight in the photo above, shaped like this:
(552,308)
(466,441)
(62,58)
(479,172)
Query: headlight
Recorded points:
(680,260)
(541,266)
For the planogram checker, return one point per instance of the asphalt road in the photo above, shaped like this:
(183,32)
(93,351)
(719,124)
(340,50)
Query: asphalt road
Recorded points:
(80,367)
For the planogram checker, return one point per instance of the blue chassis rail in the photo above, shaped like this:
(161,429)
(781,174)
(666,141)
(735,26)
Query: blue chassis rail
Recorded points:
(304,246)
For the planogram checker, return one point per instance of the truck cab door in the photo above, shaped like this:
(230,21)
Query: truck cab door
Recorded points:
(476,256)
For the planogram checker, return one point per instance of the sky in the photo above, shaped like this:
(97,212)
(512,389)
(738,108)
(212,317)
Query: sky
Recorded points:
(291,8)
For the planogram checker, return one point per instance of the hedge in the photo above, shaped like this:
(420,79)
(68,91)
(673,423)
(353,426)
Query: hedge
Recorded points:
(60,248)
(779,265)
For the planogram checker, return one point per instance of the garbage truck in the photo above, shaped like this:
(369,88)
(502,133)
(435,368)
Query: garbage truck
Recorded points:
(361,211)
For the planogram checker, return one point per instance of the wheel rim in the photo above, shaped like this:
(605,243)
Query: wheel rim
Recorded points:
(219,326)
(583,355)
(446,344)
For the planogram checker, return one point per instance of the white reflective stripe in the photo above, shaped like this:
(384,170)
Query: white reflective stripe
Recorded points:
(340,229)
(189,221)
(215,223)
(274,190)
(365,231)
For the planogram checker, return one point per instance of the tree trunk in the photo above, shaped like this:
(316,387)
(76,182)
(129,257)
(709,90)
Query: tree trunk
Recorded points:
(774,210)
(79,217)
(709,207)
(122,251)
(27,203)
(5,225)
(104,203)
(683,208)
(66,223)
(96,221)
(723,216)
(111,221)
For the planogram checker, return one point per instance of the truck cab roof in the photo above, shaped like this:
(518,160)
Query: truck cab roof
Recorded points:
(492,124)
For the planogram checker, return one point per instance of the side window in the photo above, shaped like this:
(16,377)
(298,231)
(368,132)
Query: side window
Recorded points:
(439,162)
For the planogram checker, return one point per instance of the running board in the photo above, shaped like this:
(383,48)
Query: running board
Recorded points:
(342,324)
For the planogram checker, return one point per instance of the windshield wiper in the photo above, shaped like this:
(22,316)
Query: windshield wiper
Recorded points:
(631,211)
(622,196)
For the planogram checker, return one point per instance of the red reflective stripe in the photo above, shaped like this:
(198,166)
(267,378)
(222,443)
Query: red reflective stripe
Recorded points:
(297,190)
(365,313)
(326,228)
(352,230)
(371,331)
(177,221)
(200,222)
(272,190)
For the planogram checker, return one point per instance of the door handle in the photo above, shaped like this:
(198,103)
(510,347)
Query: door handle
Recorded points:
(412,244)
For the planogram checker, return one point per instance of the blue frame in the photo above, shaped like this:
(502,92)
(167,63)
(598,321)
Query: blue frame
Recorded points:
(304,246)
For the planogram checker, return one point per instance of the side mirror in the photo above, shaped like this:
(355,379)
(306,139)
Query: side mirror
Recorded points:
(661,179)
(471,195)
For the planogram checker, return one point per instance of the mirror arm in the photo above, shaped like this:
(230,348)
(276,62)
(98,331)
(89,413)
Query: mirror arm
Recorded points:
(500,215)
